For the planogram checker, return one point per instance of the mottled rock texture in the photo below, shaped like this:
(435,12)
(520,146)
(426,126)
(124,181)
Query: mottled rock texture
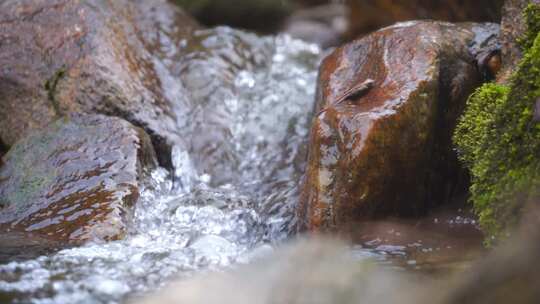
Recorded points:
(389,151)
(96,56)
(74,180)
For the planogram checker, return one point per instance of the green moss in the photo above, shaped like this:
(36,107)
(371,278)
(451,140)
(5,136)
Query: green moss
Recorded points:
(499,142)
(259,15)
(478,120)
(532,18)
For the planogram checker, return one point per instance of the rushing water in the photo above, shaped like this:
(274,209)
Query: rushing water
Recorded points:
(235,184)
(231,197)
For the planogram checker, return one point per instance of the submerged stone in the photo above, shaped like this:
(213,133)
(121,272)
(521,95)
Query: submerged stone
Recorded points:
(107,57)
(75,180)
(389,150)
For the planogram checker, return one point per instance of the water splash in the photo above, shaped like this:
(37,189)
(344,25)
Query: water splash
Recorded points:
(235,182)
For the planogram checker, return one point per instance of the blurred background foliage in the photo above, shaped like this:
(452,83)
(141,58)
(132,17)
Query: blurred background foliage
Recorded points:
(263,16)
(317,20)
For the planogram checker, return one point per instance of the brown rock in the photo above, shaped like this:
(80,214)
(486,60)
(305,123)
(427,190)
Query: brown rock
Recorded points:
(93,56)
(310,270)
(536,116)
(74,180)
(389,151)
(368,16)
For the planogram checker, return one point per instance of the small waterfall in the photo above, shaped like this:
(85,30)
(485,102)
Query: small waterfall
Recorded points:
(231,196)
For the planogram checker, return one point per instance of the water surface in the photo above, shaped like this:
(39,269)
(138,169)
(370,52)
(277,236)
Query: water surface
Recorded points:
(232,195)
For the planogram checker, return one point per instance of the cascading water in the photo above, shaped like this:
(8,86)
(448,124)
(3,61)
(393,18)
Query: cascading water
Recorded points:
(232,193)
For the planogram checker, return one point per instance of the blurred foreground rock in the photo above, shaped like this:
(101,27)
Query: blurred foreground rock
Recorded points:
(308,272)
(74,180)
(97,56)
(323,271)
(263,16)
(389,151)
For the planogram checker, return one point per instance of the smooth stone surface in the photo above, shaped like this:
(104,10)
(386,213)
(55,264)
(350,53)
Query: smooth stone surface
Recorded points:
(75,180)
(389,152)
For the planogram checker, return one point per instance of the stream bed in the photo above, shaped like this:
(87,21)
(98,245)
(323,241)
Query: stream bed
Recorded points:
(231,198)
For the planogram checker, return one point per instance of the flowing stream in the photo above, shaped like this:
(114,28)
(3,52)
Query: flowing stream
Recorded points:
(232,195)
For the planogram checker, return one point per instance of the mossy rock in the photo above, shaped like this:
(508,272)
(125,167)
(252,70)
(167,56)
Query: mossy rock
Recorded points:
(499,140)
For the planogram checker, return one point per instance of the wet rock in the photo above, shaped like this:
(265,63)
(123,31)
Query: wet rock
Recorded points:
(513,27)
(486,49)
(108,57)
(389,151)
(368,16)
(75,180)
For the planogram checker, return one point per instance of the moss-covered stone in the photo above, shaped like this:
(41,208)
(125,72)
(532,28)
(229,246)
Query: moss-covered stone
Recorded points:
(499,140)
(532,18)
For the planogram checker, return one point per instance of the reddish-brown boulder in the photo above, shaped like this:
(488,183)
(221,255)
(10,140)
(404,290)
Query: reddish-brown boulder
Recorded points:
(389,151)
(75,179)
(96,56)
